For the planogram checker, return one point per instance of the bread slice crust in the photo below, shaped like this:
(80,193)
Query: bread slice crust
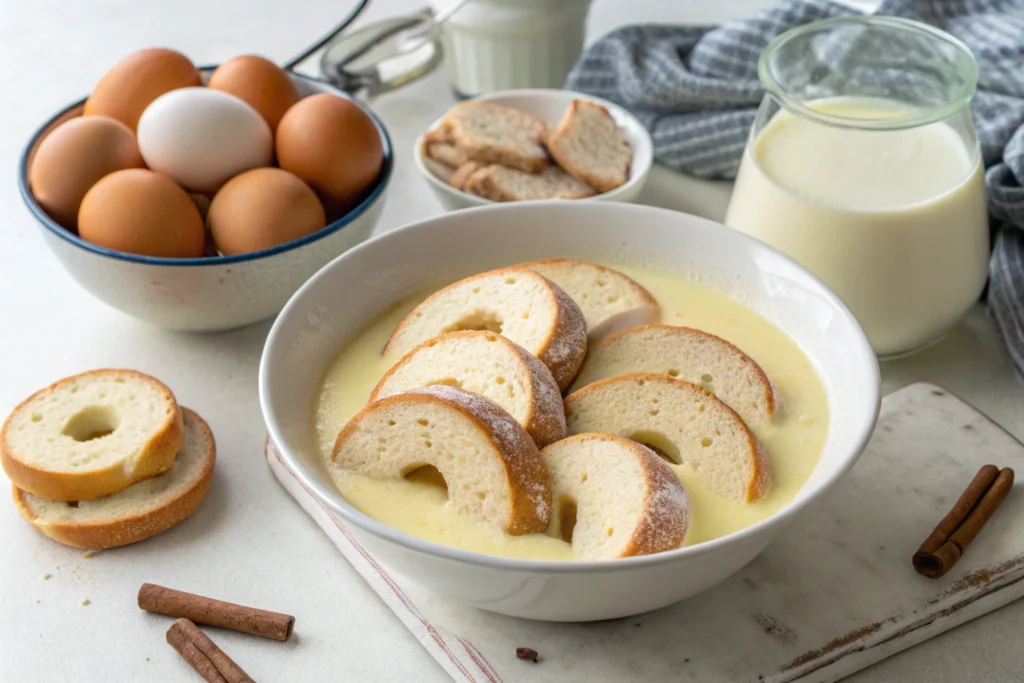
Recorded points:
(154,456)
(560,342)
(543,419)
(144,523)
(526,507)
(643,404)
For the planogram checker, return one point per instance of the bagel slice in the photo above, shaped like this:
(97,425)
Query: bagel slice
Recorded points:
(491,467)
(140,511)
(91,435)
(519,304)
(609,299)
(690,355)
(614,497)
(683,421)
(488,364)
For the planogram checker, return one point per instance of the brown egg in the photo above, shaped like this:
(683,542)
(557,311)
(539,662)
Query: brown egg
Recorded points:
(141,212)
(331,144)
(258,82)
(126,90)
(73,157)
(263,208)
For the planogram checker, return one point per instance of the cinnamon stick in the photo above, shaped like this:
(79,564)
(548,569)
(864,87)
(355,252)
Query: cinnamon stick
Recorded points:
(203,654)
(954,533)
(202,610)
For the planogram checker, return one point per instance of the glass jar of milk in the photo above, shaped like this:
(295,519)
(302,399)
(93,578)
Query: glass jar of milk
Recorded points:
(863,165)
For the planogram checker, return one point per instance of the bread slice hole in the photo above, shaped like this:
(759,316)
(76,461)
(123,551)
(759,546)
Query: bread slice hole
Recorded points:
(480,320)
(428,475)
(673,373)
(446,381)
(706,442)
(566,518)
(660,444)
(91,422)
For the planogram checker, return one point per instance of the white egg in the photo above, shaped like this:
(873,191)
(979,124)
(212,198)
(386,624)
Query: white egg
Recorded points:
(202,138)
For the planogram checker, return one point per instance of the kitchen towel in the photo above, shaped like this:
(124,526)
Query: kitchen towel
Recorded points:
(696,89)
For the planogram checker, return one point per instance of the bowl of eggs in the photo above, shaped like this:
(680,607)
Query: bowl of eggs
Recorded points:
(202,198)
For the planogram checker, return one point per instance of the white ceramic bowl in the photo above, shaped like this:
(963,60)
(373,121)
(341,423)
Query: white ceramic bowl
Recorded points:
(316,324)
(210,293)
(550,105)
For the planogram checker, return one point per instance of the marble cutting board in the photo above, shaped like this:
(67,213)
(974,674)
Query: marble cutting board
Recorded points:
(834,594)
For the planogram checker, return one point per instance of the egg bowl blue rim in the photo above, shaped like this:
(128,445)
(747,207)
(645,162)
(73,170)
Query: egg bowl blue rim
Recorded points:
(380,184)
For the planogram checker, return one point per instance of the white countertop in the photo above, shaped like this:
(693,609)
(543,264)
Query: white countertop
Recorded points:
(249,539)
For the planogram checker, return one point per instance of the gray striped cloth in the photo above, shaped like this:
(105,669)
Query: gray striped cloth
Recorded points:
(696,89)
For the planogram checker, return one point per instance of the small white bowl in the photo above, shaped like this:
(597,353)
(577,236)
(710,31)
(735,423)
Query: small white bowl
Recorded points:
(549,106)
(215,292)
(317,323)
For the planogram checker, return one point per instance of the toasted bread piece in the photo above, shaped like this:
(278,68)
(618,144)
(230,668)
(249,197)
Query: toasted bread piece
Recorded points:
(91,435)
(491,466)
(614,497)
(492,134)
(518,304)
(446,153)
(687,354)
(140,511)
(462,174)
(440,171)
(687,423)
(502,184)
(601,293)
(488,364)
(591,147)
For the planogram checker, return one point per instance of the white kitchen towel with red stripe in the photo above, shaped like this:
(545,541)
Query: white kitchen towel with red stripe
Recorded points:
(833,595)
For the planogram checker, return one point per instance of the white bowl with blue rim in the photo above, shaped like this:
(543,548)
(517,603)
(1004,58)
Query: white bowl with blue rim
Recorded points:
(208,293)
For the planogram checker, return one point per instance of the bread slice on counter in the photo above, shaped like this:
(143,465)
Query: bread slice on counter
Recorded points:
(519,304)
(686,354)
(464,173)
(685,422)
(607,298)
(502,184)
(492,134)
(91,435)
(614,498)
(138,512)
(591,147)
(488,364)
(492,468)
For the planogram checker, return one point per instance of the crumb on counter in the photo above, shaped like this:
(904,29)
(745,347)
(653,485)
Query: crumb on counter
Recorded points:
(46,576)
(91,553)
(527,654)
(85,601)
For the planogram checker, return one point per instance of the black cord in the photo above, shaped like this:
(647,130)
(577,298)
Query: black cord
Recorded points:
(310,51)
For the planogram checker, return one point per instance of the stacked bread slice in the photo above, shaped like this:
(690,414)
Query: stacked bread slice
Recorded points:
(474,391)
(504,154)
(106,458)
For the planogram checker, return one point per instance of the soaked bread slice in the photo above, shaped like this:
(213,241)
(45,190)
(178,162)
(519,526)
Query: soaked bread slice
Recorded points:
(682,420)
(492,134)
(591,147)
(686,354)
(516,303)
(607,298)
(492,468)
(488,364)
(502,184)
(614,497)
(91,435)
(138,512)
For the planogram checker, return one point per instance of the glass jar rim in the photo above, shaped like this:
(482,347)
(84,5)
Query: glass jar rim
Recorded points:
(938,113)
